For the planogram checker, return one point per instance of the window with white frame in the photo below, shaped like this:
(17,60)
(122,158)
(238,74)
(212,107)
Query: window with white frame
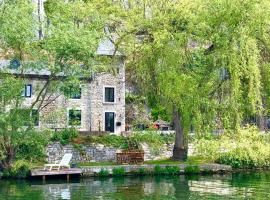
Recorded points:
(27,91)
(109,94)
(74,117)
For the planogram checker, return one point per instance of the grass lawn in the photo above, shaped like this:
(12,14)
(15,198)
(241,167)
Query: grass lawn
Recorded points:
(192,160)
(96,164)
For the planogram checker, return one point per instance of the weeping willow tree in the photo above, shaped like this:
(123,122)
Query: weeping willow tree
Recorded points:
(201,60)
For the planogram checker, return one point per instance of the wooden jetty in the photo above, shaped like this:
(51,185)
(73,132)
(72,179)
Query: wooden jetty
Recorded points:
(43,173)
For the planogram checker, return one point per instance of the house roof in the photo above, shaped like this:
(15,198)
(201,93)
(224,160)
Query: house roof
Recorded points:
(5,66)
(105,48)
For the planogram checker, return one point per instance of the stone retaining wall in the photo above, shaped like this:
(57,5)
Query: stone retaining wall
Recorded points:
(101,153)
(97,153)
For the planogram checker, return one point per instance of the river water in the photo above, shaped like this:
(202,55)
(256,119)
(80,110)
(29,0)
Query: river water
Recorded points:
(230,186)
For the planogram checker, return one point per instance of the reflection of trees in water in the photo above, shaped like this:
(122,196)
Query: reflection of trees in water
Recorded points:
(252,185)
(18,188)
(236,186)
(148,187)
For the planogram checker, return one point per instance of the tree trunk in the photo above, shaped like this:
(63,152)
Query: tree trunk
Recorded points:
(179,150)
(261,122)
(6,163)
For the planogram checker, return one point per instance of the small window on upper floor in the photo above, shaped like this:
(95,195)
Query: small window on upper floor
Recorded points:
(27,91)
(74,117)
(109,94)
(76,94)
(72,91)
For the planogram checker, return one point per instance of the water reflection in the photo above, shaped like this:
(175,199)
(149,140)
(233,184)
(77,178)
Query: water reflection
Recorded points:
(236,186)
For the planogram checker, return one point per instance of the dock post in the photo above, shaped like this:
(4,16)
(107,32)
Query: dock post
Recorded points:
(67,177)
(44,178)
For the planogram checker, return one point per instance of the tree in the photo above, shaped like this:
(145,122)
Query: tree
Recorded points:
(66,50)
(199,59)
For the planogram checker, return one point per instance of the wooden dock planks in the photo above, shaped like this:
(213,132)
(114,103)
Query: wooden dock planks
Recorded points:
(43,173)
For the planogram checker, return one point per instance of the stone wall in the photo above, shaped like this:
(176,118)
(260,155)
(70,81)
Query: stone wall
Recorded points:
(55,108)
(101,153)
(99,106)
(97,153)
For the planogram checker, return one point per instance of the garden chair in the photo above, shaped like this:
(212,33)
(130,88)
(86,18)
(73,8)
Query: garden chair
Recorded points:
(63,163)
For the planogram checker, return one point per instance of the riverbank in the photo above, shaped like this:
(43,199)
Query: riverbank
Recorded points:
(114,170)
(150,169)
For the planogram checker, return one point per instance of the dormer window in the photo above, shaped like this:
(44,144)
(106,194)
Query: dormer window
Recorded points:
(27,91)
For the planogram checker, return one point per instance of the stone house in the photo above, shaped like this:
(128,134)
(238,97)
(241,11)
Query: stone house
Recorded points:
(98,106)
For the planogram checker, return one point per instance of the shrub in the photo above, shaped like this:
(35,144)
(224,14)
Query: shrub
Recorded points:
(158,170)
(103,172)
(118,171)
(20,169)
(168,170)
(65,136)
(172,170)
(32,147)
(141,171)
(247,148)
(192,169)
(153,139)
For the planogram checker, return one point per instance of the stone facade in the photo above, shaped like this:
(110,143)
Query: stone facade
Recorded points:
(100,107)
(92,103)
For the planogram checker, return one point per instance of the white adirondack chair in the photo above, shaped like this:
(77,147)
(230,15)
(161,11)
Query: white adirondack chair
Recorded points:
(63,163)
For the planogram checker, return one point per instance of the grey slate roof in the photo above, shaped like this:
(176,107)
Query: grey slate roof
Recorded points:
(4,65)
(105,48)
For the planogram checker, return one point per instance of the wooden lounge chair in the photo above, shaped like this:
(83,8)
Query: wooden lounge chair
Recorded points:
(63,163)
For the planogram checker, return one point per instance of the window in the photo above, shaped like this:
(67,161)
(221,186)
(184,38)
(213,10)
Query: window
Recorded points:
(76,94)
(27,92)
(72,91)
(109,94)
(35,117)
(74,117)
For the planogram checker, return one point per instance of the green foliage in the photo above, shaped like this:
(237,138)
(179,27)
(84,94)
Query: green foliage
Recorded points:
(20,169)
(32,148)
(172,170)
(167,170)
(153,139)
(65,136)
(107,140)
(118,171)
(158,170)
(192,169)
(18,140)
(19,36)
(142,171)
(248,148)
(103,173)
(183,49)
(160,112)
(68,48)
(131,98)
